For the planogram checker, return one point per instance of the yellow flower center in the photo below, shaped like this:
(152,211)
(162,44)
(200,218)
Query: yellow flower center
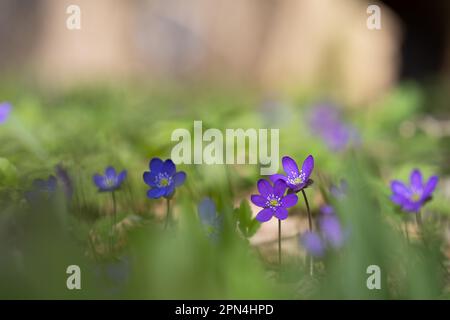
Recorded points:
(273,202)
(298,180)
(164,182)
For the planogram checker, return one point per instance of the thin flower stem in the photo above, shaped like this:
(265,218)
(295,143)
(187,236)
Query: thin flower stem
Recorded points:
(114,207)
(311,259)
(307,208)
(279,242)
(167,214)
(114,219)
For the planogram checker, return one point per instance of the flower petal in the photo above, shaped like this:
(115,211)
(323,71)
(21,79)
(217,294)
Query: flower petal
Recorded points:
(179,178)
(308,166)
(313,244)
(156,193)
(264,187)
(170,189)
(411,206)
(110,173)
(327,210)
(99,181)
(429,187)
(294,187)
(169,167)
(332,230)
(258,200)
(281,213)
(207,211)
(149,178)
(5,110)
(264,215)
(398,199)
(416,180)
(290,200)
(279,187)
(156,165)
(289,166)
(278,176)
(121,177)
(399,188)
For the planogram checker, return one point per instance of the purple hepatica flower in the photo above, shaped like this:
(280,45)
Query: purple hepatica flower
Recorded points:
(163,178)
(326,122)
(210,219)
(313,243)
(330,234)
(111,181)
(330,227)
(5,110)
(296,179)
(412,198)
(272,200)
(42,189)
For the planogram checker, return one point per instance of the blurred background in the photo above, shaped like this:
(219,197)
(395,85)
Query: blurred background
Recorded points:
(265,44)
(112,92)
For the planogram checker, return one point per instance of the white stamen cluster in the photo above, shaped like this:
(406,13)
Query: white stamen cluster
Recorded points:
(273,201)
(295,178)
(163,180)
(110,182)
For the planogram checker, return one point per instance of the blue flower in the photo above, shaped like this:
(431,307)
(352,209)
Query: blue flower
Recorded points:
(331,228)
(210,219)
(413,197)
(111,181)
(5,110)
(42,189)
(313,243)
(163,178)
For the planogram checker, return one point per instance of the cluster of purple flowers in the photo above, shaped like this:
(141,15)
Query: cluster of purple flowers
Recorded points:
(276,198)
(273,198)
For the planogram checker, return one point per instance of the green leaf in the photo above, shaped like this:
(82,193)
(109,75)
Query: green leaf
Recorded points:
(246,224)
